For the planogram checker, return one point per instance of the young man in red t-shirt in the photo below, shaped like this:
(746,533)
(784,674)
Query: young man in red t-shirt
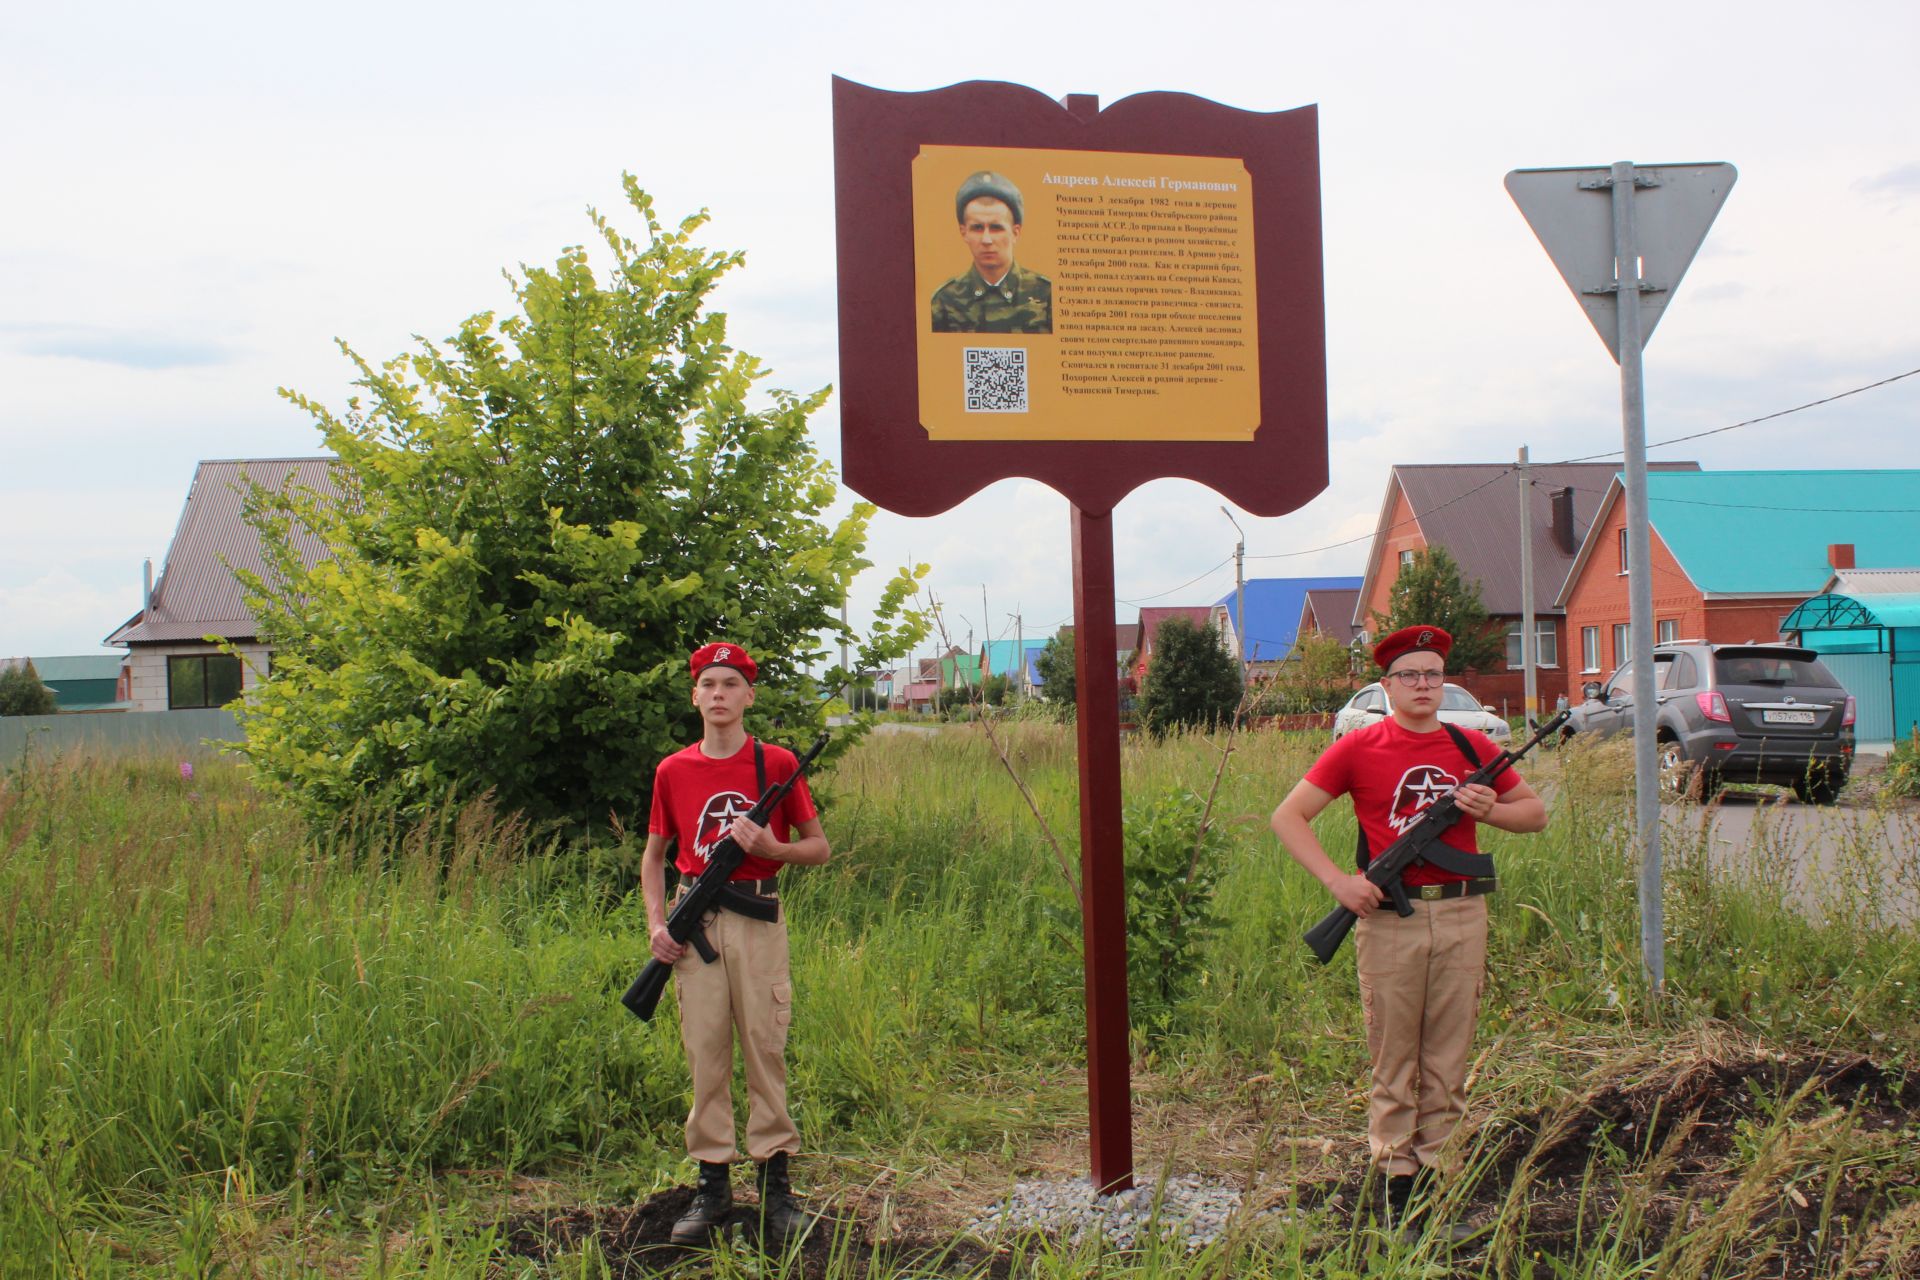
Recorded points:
(699,795)
(1421,975)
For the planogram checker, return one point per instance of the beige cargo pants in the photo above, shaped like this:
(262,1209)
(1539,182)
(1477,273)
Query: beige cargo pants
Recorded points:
(747,989)
(1420,981)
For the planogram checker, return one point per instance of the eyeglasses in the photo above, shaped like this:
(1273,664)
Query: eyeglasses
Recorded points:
(1412,679)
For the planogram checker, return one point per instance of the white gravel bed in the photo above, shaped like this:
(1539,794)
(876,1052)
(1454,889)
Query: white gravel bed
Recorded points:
(1187,1209)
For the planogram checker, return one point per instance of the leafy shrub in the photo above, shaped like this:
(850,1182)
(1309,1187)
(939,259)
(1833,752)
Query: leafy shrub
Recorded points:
(22,694)
(1174,861)
(1903,767)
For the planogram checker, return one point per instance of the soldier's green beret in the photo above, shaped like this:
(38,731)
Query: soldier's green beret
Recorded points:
(986,183)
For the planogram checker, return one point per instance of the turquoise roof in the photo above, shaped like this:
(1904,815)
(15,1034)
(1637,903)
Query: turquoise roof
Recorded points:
(1767,532)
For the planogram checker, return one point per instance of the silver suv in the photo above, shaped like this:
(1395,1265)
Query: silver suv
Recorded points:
(1736,713)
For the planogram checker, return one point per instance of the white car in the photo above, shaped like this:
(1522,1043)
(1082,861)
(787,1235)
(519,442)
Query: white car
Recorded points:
(1457,706)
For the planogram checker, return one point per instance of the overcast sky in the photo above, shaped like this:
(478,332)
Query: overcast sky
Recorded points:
(201,198)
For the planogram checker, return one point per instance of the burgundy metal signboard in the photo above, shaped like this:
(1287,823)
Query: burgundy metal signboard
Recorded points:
(1092,299)
(1183,333)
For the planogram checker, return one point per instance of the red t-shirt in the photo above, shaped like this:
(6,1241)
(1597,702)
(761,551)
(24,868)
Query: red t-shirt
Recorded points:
(696,798)
(1393,774)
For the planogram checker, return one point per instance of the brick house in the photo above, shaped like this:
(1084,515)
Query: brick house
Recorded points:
(1473,510)
(1733,553)
(171,663)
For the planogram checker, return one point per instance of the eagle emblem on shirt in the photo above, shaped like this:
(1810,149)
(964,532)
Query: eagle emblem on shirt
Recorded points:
(1419,788)
(716,819)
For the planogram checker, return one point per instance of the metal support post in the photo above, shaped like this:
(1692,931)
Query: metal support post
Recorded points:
(1529,648)
(1633,413)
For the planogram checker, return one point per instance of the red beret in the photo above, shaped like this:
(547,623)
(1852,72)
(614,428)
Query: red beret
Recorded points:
(723,654)
(1411,640)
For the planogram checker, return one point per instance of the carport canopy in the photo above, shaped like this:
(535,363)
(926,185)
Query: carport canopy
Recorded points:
(1831,612)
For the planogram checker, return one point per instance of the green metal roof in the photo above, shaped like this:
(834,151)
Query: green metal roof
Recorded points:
(1767,532)
(1843,613)
(86,666)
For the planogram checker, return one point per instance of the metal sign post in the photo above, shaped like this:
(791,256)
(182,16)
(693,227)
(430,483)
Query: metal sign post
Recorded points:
(1529,648)
(1623,259)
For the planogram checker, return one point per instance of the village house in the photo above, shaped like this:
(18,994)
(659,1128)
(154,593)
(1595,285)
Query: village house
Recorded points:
(1735,554)
(1473,510)
(1275,608)
(176,642)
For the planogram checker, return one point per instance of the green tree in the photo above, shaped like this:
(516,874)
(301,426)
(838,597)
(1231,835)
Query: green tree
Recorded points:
(993,689)
(1317,676)
(1192,681)
(1431,591)
(22,694)
(540,519)
(1055,667)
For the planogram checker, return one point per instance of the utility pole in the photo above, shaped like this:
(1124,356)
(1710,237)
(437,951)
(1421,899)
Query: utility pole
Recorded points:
(1239,596)
(1529,655)
(1019,657)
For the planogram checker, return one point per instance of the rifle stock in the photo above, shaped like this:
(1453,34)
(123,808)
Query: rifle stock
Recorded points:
(1325,937)
(683,922)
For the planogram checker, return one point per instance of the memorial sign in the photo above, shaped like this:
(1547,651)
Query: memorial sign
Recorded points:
(1093,299)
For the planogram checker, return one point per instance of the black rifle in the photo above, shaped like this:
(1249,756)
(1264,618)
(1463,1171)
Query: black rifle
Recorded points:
(1325,938)
(709,887)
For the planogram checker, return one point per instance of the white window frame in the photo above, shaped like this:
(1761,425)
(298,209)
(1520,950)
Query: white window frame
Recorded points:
(1623,552)
(1590,649)
(1406,557)
(1666,631)
(1546,645)
(1622,639)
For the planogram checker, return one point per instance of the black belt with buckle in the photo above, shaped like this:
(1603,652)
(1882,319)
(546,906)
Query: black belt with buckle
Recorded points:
(1455,889)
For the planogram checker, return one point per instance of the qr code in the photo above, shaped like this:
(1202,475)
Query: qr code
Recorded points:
(996,380)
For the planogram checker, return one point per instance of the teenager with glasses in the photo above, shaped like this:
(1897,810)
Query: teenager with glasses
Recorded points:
(1420,976)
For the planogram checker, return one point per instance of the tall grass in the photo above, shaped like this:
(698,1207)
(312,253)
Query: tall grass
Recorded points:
(225,1038)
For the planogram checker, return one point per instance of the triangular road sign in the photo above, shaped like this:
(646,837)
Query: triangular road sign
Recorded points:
(1571,211)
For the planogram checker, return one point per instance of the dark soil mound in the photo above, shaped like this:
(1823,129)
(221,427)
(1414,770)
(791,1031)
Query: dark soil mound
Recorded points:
(635,1242)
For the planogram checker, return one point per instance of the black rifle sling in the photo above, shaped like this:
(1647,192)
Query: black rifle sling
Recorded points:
(738,900)
(1440,853)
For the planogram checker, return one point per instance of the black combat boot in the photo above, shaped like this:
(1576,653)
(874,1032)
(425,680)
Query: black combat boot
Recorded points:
(781,1220)
(1425,1212)
(712,1202)
(1402,1215)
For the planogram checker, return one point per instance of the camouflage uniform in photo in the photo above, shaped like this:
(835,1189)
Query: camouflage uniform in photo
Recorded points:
(1021,303)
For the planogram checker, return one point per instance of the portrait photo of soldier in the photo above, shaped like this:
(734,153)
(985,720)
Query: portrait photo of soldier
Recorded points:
(995,294)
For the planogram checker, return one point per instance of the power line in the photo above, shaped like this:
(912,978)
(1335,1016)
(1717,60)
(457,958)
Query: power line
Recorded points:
(1769,417)
(1182,587)
(1416,518)
(1753,506)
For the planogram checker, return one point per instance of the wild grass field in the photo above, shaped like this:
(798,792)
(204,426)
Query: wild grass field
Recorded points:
(230,1045)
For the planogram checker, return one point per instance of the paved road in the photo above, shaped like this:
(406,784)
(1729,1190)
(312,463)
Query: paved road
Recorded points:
(1840,860)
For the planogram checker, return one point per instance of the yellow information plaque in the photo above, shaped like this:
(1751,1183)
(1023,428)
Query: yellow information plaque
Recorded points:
(1084,295)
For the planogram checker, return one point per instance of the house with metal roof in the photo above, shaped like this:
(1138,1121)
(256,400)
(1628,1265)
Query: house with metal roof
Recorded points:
(80,682)
(1474,511)
(1274,607)
(174,642)
(1865,623)
(1737,554)
(1330,613)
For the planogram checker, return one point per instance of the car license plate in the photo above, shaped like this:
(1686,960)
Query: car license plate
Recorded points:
(1786,717)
